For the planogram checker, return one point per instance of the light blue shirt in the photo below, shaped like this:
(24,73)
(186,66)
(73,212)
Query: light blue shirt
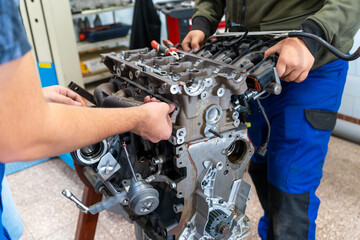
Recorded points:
(13,41)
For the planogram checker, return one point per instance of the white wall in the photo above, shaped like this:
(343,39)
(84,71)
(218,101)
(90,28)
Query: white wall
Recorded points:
(350,104)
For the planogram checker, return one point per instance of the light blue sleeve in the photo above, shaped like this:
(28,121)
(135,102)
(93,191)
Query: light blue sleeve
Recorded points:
(13,40)
(11,219)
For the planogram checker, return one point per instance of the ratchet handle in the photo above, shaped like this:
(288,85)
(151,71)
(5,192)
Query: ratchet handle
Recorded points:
(83,208)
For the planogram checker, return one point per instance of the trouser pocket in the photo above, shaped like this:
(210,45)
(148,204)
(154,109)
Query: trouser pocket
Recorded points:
(321,119)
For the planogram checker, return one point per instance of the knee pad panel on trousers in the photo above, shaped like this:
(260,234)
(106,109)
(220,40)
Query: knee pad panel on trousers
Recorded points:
(258,174)
(289,218)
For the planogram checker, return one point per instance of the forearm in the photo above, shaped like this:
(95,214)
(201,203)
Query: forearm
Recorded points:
(60,129)
(212,10)
(31,128)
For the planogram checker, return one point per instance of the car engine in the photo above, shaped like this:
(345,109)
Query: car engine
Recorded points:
(190,186)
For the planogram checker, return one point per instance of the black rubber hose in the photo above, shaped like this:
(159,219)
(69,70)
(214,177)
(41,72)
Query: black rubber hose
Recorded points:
(328,46)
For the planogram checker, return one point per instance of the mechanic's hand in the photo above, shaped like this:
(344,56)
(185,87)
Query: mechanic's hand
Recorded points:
(155,124)
(295,59)
(193,40)
(60,94)
(148,99)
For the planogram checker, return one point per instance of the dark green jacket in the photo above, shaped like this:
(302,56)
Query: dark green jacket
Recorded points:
(338,19)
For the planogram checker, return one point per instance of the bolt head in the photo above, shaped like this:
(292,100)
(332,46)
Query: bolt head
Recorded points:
(172,185)
(232,207)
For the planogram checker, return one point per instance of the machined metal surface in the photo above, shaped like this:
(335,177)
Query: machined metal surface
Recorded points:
(190,186)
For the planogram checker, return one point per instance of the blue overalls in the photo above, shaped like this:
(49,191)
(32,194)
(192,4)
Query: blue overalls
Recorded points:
(287,177)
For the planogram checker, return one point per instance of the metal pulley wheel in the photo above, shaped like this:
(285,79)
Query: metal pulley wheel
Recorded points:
(143,198)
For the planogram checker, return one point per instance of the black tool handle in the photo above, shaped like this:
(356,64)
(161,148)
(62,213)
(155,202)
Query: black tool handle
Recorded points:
(82,92)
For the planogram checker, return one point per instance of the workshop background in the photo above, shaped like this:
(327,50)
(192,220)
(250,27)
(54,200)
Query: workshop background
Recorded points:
(63,53)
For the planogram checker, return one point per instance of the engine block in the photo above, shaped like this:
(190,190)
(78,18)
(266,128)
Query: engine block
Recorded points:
(189,187)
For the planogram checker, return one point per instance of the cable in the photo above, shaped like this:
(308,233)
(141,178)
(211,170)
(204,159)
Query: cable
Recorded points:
(241,26)
(263,148)
(264,97)
(325,44)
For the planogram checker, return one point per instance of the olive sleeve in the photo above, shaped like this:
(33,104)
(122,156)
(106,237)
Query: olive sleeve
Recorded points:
(339,20)
(212,10)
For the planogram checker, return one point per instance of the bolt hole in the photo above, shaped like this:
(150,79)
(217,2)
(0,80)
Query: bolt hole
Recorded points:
(226,172)
(36,20)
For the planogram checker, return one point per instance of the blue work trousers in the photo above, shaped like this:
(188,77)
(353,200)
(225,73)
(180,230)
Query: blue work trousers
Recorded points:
(287,177)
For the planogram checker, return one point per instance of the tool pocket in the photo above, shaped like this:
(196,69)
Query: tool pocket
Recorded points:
(321,119)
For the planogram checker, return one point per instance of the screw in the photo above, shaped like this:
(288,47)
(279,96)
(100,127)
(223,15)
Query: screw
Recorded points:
(232,207)
(204,95)
(219,165)
(172,185)
(189,225)
(220,92)
(236,122)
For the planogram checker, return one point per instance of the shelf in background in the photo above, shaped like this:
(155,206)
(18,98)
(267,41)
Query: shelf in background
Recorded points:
(83,46)
(101,10)
(96,77)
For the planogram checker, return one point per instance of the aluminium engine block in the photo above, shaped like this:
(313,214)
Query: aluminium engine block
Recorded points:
(189,187)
